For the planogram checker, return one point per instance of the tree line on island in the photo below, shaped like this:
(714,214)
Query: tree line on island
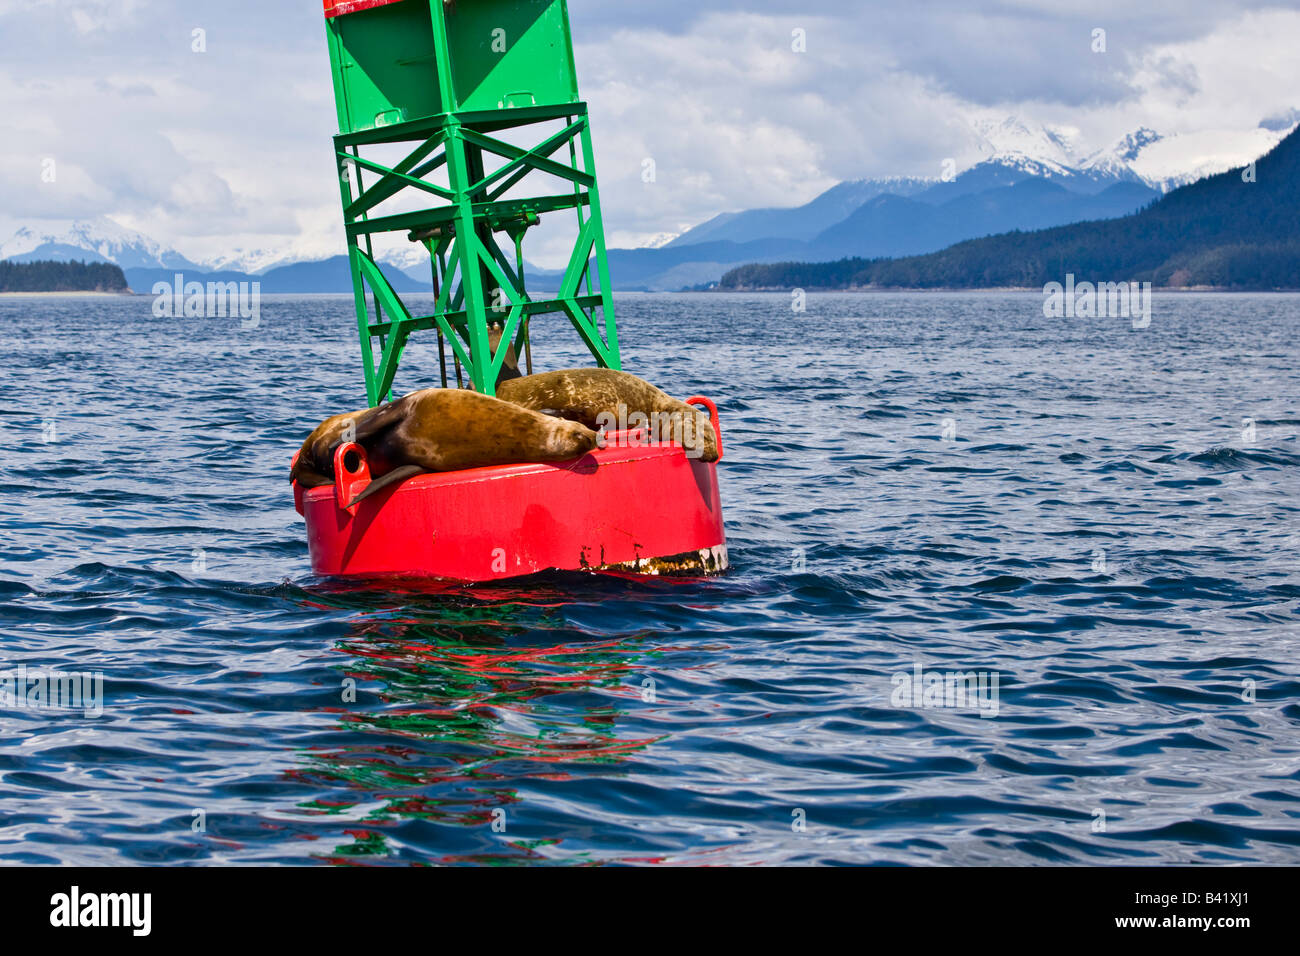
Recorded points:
(50,276)
(1239,230)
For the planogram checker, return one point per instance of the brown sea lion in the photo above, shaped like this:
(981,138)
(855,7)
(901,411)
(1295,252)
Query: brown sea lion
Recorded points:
(435,430)
(598,397)
(510,364)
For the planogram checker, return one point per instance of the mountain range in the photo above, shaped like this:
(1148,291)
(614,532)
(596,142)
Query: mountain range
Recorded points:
(887,225)
(1237,230)
(146,262)
(1030,177)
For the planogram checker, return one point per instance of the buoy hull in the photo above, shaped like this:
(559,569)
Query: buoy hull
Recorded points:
(628,507)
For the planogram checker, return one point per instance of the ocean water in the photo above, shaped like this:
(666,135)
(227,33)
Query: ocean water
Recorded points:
(1100,521)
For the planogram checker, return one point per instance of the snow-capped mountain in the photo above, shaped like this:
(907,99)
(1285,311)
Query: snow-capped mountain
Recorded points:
(254,261)
(93,240)
(1175,161)
(802,222)
(659,240)
(1023,150)
(1116,161)
(1013,142)
(103,240)
(1160,161)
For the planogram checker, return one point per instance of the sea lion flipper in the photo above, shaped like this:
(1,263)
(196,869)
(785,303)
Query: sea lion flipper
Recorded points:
(375,421)
(392,478)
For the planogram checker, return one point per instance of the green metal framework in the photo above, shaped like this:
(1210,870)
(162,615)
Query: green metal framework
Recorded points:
(386,76)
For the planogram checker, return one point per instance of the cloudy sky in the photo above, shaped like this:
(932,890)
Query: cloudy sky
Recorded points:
(230,148)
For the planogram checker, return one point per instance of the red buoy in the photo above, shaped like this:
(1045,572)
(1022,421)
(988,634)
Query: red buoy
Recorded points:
(629,506)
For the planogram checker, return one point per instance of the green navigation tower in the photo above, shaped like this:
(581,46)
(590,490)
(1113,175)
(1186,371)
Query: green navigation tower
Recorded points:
(451,115)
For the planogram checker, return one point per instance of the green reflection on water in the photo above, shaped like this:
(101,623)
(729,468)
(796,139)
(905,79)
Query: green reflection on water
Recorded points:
(458,693)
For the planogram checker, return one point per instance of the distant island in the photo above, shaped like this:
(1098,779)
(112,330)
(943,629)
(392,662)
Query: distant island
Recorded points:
(1237,231)
(50,276)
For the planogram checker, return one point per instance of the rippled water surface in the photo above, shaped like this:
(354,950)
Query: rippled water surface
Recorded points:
(1103,521)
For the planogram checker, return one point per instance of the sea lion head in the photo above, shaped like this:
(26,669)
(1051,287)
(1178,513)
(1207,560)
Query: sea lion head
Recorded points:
(605,398)
(510,365)
(314,466)
(569,439)
(697,434)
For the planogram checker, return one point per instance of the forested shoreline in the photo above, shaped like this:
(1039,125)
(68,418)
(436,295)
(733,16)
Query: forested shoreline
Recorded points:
(50,276)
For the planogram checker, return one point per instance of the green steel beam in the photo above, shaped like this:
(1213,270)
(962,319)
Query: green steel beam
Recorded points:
(455,321)
(529,157)
(442,215)
(393,180)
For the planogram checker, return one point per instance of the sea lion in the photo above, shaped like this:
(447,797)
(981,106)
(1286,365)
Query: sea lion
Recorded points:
(599,397)
(435,430)
(510,364)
